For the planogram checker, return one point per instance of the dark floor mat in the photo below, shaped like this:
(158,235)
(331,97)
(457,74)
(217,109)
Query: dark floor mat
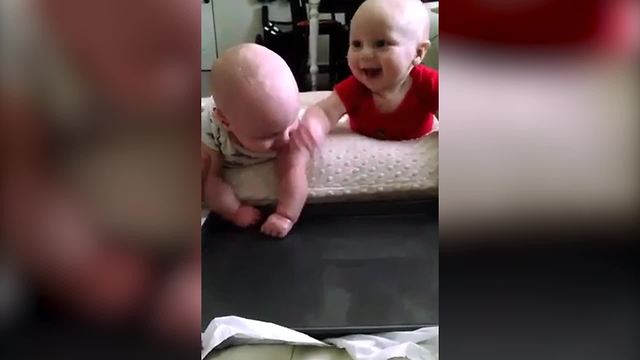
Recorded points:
(345,267)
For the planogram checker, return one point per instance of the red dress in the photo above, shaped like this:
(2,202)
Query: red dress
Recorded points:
(412,119)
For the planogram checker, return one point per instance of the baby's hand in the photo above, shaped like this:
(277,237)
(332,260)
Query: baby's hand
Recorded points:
(310,134)
(245,216)
(302,138)
(277,226)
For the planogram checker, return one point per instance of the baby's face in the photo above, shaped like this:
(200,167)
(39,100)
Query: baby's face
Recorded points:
(261,132)
(382,49)
(266,139)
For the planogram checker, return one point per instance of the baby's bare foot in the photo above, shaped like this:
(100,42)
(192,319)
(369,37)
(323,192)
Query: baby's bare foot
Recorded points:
(277,226)
(246,216)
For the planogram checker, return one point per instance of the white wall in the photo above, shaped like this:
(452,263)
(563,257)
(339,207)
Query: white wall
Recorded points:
(207,37)
(432,55)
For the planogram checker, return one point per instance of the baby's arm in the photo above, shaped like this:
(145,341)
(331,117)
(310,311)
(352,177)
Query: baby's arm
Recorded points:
(220,198)
(291,167)
(318,121)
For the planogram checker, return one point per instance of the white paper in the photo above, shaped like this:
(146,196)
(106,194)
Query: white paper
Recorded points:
(421,344)
(234,330)
(203,216)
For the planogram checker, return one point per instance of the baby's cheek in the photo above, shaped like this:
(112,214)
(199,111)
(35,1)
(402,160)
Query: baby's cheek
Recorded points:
(261,146)
(268,146)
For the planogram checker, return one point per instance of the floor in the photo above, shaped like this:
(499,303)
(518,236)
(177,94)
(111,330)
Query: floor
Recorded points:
(279,352)
(326,288)
(328,262)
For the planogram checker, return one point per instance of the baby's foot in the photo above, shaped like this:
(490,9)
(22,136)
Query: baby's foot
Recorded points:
(277,226)
(245,216)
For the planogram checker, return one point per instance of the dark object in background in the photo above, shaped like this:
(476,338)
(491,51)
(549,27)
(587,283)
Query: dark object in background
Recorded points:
(290,39)
(280,37)
(338,37)
(346,7)
(344,268)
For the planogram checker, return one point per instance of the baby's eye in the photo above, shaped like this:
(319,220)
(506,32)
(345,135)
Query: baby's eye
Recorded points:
(270,137)
(380,43)
(356,43)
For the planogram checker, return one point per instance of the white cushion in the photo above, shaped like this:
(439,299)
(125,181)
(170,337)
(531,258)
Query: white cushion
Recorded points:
(351,167)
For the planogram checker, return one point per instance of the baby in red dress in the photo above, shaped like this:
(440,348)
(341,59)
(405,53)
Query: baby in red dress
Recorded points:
(390,94)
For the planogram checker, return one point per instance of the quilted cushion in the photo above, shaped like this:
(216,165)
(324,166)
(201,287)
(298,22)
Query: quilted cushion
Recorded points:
(351,167)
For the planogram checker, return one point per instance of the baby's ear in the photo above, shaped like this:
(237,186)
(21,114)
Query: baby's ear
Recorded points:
(220,116)
(421,51)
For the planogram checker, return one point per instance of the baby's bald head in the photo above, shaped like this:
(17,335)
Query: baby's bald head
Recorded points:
(410,15)
(255,89)
(256,94)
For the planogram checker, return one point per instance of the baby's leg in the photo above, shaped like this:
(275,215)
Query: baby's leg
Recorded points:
(219,196)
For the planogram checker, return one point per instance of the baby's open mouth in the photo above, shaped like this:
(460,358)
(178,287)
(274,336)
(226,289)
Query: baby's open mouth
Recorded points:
(371,72)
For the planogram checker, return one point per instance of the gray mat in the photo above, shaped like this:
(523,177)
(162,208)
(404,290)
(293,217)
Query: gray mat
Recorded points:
(345,268)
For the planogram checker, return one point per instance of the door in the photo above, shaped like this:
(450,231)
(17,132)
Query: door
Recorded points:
(209,50)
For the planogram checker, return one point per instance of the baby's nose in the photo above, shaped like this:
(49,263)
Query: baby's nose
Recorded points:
(285,136)
(367,52)
(283,139)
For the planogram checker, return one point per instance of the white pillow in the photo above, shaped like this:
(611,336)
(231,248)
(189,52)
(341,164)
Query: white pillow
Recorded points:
(351,167)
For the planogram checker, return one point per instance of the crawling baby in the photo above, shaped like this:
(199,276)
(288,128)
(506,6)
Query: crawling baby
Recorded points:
(256,109)
(390,94)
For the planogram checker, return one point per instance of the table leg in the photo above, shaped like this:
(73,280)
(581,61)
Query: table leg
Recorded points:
(313,42)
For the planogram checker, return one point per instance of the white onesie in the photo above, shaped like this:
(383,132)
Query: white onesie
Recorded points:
(216,137)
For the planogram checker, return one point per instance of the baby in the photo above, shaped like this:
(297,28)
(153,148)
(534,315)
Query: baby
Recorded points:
(390,94)
(256,109)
